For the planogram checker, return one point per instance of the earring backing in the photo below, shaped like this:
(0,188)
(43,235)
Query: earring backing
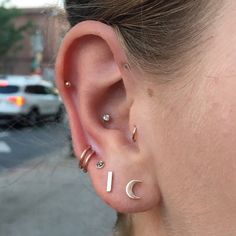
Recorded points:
(134,134)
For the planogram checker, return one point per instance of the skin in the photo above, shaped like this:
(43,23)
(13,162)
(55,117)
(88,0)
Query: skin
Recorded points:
(185,150)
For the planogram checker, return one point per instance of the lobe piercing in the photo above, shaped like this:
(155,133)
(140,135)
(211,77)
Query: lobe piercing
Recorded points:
(83,155)
(85,167)
(106,118)
(100,165)
(109,181)
(134,134)
(67,84)
(130,191)
(85,158)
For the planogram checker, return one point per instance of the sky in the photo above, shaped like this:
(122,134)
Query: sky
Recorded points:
(34,3)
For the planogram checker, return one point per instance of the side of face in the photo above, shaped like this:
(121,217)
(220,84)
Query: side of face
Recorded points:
(185,149)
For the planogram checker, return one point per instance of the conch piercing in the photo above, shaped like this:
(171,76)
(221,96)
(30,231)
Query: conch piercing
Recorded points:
(100,165)
(134,134)
(67,84)
(109,181)
(106,118)
(130,189)
(85,157)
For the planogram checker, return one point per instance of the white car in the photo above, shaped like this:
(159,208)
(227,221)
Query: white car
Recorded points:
(28,98)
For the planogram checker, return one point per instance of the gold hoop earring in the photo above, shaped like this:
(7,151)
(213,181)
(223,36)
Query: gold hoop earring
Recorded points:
(85,157)
(134,134)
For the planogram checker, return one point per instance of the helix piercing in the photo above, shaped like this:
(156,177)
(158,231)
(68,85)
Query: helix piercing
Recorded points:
(106,118)
(67,84)
(109,181)
(130,189)
(100,165)
(134,134)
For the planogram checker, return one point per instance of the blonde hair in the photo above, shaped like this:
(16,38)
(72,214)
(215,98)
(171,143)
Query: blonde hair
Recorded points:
(155,33)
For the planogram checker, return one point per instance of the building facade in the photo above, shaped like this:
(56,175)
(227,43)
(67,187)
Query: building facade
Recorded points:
(41,44)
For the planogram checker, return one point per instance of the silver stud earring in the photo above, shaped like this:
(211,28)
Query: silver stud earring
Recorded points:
(100,165)
(130,189)
(106,118)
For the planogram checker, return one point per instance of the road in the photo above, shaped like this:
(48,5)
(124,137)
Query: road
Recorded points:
(42,192)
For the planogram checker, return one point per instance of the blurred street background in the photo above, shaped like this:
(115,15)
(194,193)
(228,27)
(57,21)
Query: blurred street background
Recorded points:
(42,192)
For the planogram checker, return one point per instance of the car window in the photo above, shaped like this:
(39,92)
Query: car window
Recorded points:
(35,89)
(9,89)
(50,90)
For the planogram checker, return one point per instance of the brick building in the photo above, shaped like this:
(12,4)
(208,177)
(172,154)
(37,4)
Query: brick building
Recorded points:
(51,24)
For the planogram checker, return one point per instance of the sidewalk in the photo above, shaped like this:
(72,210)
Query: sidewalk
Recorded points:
(51,197)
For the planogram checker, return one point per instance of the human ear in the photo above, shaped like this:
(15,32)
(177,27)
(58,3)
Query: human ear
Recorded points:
(92,62)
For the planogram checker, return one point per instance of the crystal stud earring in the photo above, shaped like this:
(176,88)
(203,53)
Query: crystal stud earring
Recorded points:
(100,165)
(106,118)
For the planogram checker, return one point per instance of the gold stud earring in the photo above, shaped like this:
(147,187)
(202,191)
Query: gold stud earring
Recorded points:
(67,84)
(134,134)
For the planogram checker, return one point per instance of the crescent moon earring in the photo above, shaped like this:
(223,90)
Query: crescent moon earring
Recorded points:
(130,189)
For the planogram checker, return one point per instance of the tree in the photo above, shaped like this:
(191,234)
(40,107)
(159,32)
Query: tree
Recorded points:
(10,35)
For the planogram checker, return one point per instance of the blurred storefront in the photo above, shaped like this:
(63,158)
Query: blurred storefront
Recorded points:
(40,46)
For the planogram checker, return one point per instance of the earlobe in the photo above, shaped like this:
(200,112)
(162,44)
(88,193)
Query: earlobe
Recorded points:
(93,85)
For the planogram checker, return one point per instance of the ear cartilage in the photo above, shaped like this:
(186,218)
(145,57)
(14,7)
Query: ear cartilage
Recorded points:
(109,181)
(130,189)
(134,134)
(100,165)
(106,118)
(67,84)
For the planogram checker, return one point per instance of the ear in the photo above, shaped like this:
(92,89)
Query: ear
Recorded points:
(92,59)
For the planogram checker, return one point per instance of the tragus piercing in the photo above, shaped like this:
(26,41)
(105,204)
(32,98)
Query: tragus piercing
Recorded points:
(67,84)
(130,189)
(134,134)
(106,118)
(100,164)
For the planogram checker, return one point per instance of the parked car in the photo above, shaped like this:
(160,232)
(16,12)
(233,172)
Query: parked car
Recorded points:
(28,98)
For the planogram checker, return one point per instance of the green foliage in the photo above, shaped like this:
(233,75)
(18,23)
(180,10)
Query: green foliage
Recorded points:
(10,35)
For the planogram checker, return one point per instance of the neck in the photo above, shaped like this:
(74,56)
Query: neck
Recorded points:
(213,223)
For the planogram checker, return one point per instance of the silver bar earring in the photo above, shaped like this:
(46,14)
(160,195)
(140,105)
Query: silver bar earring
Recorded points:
(109,181)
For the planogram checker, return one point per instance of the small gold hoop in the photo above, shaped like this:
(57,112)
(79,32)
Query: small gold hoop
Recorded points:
(83,155)
(134,134)
(85,166)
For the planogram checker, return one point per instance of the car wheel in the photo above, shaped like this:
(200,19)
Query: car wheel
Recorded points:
(33,118)
(59,115)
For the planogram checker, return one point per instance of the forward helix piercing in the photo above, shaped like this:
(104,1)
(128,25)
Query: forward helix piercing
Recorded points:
(130,189)
(134,134)
(85,157)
